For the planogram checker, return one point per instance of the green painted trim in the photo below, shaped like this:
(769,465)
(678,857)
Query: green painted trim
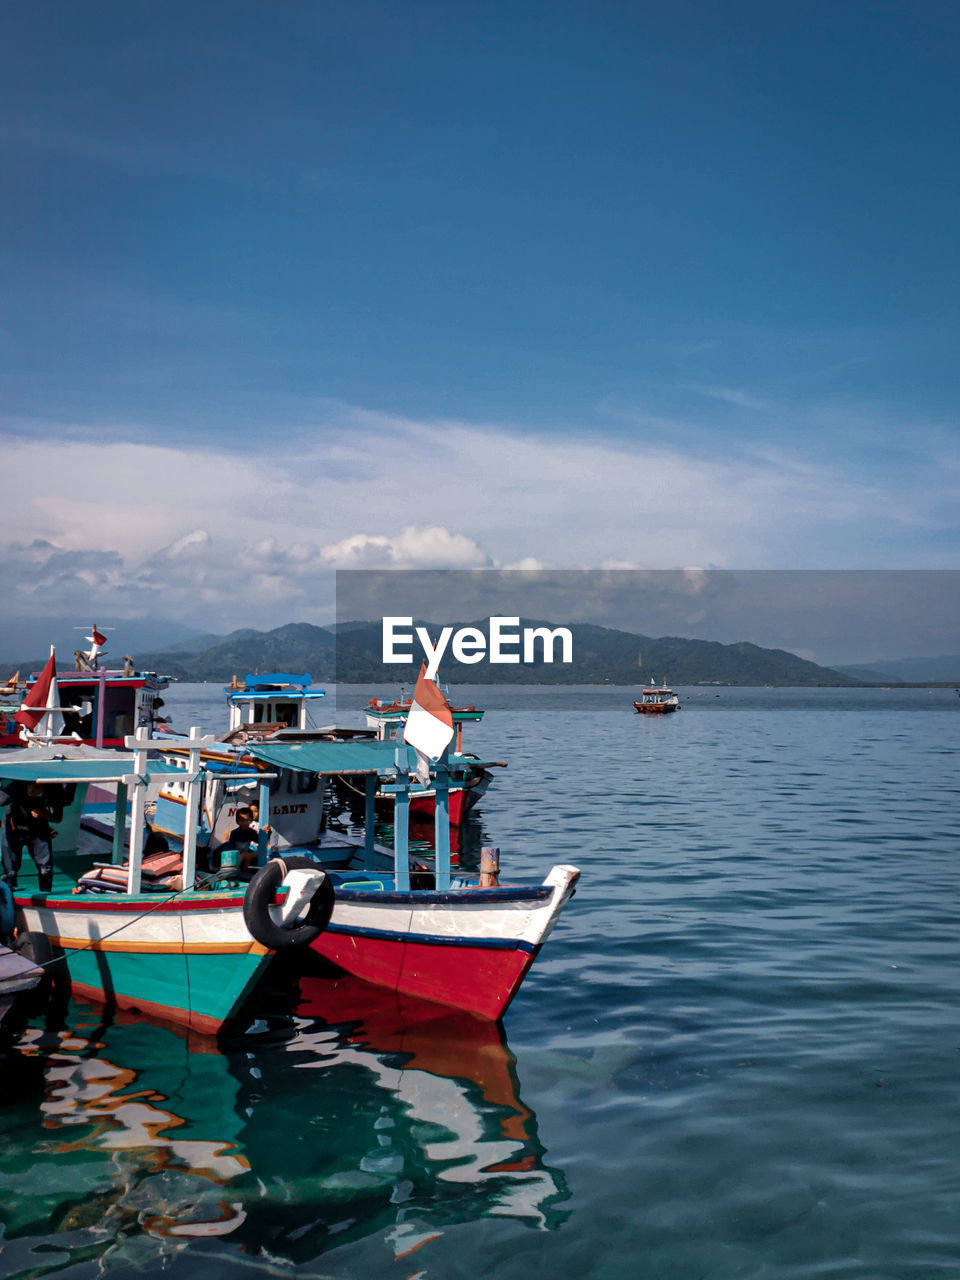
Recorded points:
(202,986)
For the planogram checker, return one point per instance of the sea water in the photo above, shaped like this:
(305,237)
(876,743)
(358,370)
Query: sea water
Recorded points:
(737,1056)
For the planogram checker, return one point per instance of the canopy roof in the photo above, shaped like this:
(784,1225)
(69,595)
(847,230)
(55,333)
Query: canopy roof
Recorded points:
(334,757)
(95,678)
(274,695)
(274,681)
(81,764)
(382,758)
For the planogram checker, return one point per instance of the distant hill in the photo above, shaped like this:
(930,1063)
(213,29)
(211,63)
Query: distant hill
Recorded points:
(297,647)
(124,635)
(944,670)
(201,643)
(351,653)
(602,655)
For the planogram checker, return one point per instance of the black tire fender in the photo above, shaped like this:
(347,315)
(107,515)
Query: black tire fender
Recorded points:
(258,900)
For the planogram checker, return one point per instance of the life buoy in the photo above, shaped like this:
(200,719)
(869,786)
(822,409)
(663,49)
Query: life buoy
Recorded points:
(258,900)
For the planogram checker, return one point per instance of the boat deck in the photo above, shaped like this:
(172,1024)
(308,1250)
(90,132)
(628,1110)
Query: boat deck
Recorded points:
(67,868)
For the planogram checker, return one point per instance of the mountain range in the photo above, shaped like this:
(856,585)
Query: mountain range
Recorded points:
(351,652)
(942,670)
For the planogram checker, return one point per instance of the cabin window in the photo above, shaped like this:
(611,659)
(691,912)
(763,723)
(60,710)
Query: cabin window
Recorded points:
(71,702)
(296,783)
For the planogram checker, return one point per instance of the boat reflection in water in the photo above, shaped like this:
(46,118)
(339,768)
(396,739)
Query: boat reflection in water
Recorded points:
(312,1132)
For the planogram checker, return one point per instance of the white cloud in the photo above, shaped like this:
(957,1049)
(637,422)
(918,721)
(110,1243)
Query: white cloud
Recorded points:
(196,540)
(223,538)
(526,563)
(430,547)
(733,396)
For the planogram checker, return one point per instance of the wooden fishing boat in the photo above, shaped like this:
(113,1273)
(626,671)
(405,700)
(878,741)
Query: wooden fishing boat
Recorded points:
(276,702)
(183,953)
(191,952)
(90,703)
(469,781)
(388,718)
(657,700)
(466,947)
(288,807)
(288,804)
(280,707)
(435,936)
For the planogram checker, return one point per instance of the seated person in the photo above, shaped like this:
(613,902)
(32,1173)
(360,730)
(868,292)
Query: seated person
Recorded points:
(243,838)
(159,722)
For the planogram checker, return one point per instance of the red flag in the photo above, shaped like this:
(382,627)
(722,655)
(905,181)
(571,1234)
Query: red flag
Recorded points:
(38,696)
(429,726)
(97,638)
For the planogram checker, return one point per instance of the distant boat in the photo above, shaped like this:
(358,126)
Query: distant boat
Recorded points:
(657,700)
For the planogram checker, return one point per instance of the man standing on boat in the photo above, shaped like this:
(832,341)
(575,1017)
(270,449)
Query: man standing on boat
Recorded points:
(27,823)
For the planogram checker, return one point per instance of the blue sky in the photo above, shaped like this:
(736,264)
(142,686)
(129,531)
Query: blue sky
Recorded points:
(304,286)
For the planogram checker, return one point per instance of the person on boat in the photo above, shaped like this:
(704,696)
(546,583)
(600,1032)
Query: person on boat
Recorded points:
(158,720)
(243,838)
(27,825)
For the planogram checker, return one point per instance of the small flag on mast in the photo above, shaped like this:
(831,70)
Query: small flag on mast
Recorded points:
(97,641)
(41,700)
(429,727)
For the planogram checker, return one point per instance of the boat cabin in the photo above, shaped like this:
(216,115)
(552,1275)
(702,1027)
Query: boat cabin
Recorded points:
(98,708)
(103,707)
(272,703)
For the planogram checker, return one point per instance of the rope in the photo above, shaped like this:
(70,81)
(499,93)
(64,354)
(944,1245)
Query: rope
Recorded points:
(350,787)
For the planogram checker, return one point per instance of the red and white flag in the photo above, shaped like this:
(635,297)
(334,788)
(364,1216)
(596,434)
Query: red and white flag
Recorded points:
(41,700)
(97,640)
(429,727)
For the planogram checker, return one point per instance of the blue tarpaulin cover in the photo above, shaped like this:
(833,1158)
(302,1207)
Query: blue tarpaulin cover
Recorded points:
(333,757)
